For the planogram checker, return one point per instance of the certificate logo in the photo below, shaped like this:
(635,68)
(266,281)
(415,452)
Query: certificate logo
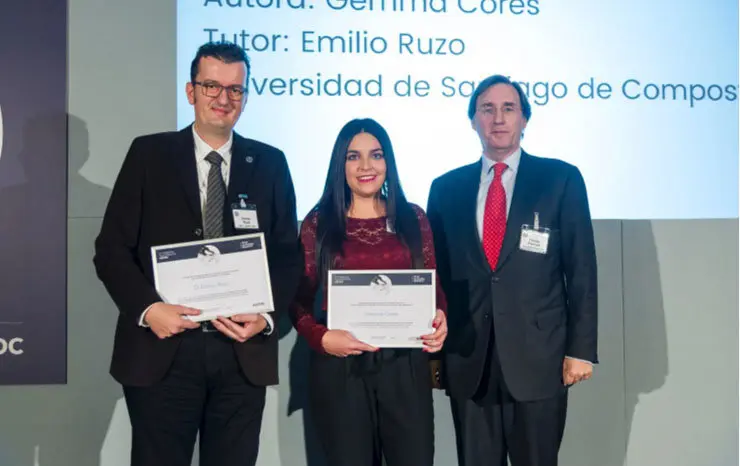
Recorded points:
(418,279)
(209,254)
(166,255)
(381,284)
(248,245)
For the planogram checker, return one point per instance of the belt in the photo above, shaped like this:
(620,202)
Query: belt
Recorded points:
(207,327)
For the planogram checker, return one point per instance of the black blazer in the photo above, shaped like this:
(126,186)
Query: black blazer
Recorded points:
(156,201)
(539,307)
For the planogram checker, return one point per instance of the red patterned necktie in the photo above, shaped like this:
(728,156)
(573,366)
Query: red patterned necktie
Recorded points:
(494,217)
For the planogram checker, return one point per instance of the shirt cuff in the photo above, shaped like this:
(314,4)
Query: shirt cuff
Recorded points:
(270,324)
(143,314)
(578,359)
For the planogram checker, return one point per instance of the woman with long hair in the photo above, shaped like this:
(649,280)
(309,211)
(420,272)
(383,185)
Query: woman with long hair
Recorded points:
(366,403)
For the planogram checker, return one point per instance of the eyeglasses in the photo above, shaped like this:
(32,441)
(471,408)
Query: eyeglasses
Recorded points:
(489,110)
(213,89)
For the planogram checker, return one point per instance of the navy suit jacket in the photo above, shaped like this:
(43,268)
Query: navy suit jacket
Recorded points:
(537,307)
(155,201)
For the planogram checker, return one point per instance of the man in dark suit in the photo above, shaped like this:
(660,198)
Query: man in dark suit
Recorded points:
(179,377)
(515,253)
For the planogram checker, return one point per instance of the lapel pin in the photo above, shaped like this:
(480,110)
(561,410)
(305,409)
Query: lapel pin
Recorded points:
(249,159)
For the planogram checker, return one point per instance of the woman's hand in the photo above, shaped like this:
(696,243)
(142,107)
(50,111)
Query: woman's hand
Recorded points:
(341,343)
(433,342)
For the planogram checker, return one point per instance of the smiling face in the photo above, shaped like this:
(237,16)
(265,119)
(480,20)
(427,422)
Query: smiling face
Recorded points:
(219,114)
(365,166)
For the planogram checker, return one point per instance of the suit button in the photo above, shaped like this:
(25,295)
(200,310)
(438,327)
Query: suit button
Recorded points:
(198,232)
(486,316)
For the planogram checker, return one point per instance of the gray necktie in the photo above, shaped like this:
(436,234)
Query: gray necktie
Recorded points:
(215,198)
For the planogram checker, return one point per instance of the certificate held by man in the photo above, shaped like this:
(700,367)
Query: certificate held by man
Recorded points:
(385,309)
(220,277)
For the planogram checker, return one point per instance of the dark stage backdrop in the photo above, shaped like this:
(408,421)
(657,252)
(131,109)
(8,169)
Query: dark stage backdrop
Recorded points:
(33,192)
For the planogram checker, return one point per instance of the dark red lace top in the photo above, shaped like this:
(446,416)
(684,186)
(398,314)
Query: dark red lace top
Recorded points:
(369,245)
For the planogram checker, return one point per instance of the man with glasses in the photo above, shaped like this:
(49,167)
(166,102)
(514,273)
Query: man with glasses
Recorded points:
(516,257)
(181,378)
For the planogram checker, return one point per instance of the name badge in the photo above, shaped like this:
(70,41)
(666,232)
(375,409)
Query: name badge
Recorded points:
(245,216)
(533,238)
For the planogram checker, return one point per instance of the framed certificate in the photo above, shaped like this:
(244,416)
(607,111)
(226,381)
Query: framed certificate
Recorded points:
(383,308)
(220,277)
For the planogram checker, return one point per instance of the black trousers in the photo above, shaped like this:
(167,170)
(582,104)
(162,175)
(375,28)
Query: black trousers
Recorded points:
(203,392)
(493,425)
(373,406)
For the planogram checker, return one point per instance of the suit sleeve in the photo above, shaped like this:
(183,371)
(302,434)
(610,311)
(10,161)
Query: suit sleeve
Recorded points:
(430,260)
(441,254)
(284,254)
(115,259)
(439,238)
(579,263)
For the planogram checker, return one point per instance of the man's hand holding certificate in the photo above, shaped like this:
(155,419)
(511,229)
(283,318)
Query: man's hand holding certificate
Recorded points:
(166,320)
(386,309)
(221,278)
(241,327)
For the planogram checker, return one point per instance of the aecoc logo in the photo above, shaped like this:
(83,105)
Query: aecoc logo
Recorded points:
(12,346)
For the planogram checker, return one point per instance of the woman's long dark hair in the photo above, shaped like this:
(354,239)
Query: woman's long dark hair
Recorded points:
(335,201)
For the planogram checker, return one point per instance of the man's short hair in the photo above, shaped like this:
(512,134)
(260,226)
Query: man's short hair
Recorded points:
(227,52)
(492,81)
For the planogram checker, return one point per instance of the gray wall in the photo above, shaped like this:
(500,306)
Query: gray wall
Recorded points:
(664,393)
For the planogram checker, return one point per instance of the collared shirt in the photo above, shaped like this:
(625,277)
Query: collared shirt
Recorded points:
(486,178)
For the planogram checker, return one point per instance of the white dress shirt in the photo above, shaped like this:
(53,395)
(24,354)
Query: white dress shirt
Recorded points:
(202,149)
(508,179)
